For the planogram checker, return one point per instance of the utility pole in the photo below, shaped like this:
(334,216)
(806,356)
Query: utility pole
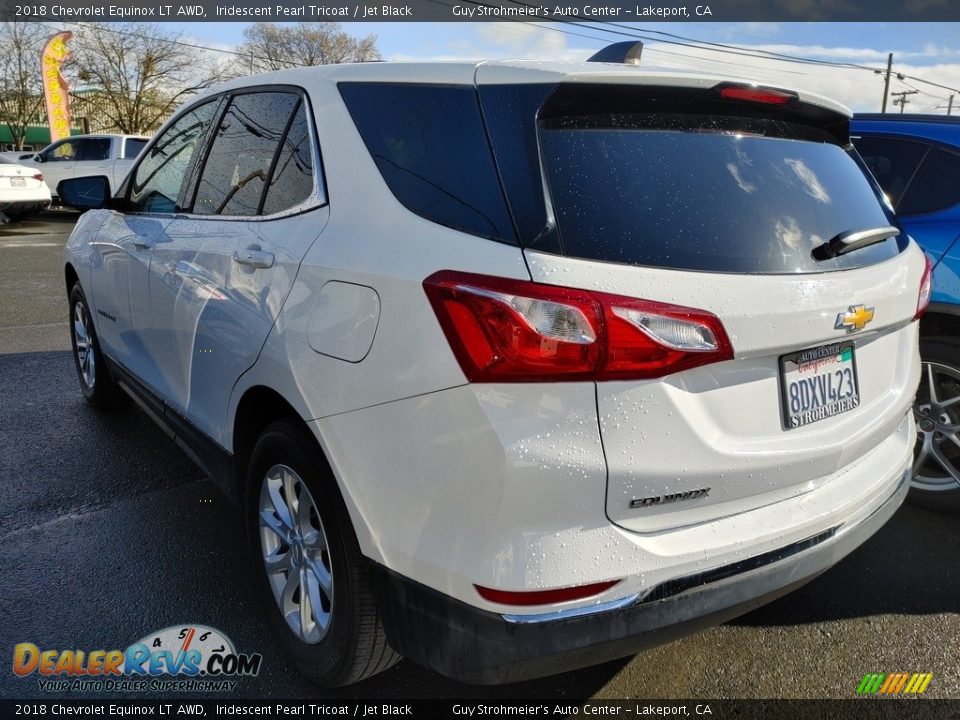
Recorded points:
(950,105)
(902,98)
(886,82)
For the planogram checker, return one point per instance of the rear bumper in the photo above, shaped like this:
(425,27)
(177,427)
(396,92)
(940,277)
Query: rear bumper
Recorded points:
(24,205)
(478,646)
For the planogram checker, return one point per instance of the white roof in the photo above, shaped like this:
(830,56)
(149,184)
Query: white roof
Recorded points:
(509,72)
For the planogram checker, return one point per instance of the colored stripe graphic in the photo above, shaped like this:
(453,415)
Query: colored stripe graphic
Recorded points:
(870,684)
(894,683)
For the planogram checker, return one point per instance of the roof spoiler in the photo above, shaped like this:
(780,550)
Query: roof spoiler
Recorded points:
(625,53)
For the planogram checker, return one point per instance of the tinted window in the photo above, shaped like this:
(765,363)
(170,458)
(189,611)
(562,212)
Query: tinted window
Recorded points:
(94,148)
(236,169)
(133,147)
(936,187)
(708,201)
(511,115)
(162,171)
(430,146)
(891,161)
(292,179)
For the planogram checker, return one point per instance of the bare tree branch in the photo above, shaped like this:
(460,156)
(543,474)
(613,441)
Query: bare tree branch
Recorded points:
(135,74)
(275,47)
(21,84)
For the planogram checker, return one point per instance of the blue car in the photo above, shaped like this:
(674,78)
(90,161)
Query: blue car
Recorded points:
(916,160)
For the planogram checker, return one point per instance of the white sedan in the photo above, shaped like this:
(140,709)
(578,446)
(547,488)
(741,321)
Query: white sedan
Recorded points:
(22,190)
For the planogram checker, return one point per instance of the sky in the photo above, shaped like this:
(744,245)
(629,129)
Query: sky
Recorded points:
(928,51)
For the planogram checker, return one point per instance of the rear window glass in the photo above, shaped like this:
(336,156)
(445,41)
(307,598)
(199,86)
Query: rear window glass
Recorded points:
(430,146)
(714,201)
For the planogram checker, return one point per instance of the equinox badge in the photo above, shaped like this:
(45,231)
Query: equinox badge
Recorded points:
(672,497)
(856,318)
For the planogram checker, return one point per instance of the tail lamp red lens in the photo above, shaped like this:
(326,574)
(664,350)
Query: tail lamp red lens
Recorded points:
(926,288)
(544,597)
(504,330)
(38,176)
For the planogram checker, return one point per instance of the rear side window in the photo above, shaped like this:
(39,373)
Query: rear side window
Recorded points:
(133,146)
(430,146)
(936,187)
(892,162)
(95,149)
(693,194)
(292,180)
(238,165)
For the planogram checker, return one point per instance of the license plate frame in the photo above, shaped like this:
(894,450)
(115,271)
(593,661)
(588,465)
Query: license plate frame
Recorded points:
(835,389)
(18,182)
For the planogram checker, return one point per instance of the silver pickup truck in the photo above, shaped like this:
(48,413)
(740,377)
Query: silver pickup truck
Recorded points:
(84,155)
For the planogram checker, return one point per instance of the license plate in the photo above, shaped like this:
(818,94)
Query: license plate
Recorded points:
(18,182)
(818,383)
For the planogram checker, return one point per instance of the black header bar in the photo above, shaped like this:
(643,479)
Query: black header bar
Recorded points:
(620,11)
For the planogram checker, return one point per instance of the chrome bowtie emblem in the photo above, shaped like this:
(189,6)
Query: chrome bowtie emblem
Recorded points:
(855,318)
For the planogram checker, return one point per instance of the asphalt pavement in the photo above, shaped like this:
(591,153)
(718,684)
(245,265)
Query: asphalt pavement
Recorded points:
(108,532)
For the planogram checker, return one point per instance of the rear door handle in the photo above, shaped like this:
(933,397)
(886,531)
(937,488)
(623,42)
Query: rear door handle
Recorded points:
(253,257)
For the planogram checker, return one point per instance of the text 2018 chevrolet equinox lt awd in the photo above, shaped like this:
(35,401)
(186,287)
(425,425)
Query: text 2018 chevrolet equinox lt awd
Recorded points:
(513,367)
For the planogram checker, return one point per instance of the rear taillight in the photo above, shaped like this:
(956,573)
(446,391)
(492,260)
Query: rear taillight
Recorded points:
(38,177)
(926,288)
(504,330)
(756,94)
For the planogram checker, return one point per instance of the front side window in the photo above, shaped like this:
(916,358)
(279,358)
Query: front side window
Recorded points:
(237,169)
(67,151)
(162,172)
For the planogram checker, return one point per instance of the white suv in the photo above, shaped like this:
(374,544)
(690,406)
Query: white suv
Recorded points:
(512,367)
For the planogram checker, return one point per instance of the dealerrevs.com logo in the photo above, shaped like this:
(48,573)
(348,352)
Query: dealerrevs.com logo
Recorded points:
(187,658)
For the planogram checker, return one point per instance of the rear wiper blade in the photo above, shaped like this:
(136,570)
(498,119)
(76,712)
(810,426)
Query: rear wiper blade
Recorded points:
(851,240)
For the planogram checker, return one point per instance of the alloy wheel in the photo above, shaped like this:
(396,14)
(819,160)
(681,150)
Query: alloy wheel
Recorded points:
(937,412)
(86,357)
(296,554)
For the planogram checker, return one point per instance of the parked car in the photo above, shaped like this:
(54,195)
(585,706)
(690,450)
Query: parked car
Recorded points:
(548,363)
(86,155)
(22,190)
(916,160)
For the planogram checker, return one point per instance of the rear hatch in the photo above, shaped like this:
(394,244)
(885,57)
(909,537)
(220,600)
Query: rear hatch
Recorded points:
(736,204)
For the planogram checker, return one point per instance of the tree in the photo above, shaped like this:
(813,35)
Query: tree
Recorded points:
(275,47)
(138,73)
(21,82)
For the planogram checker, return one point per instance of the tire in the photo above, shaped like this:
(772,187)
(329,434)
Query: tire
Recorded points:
(344,642)
(936,472)
(97,385)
